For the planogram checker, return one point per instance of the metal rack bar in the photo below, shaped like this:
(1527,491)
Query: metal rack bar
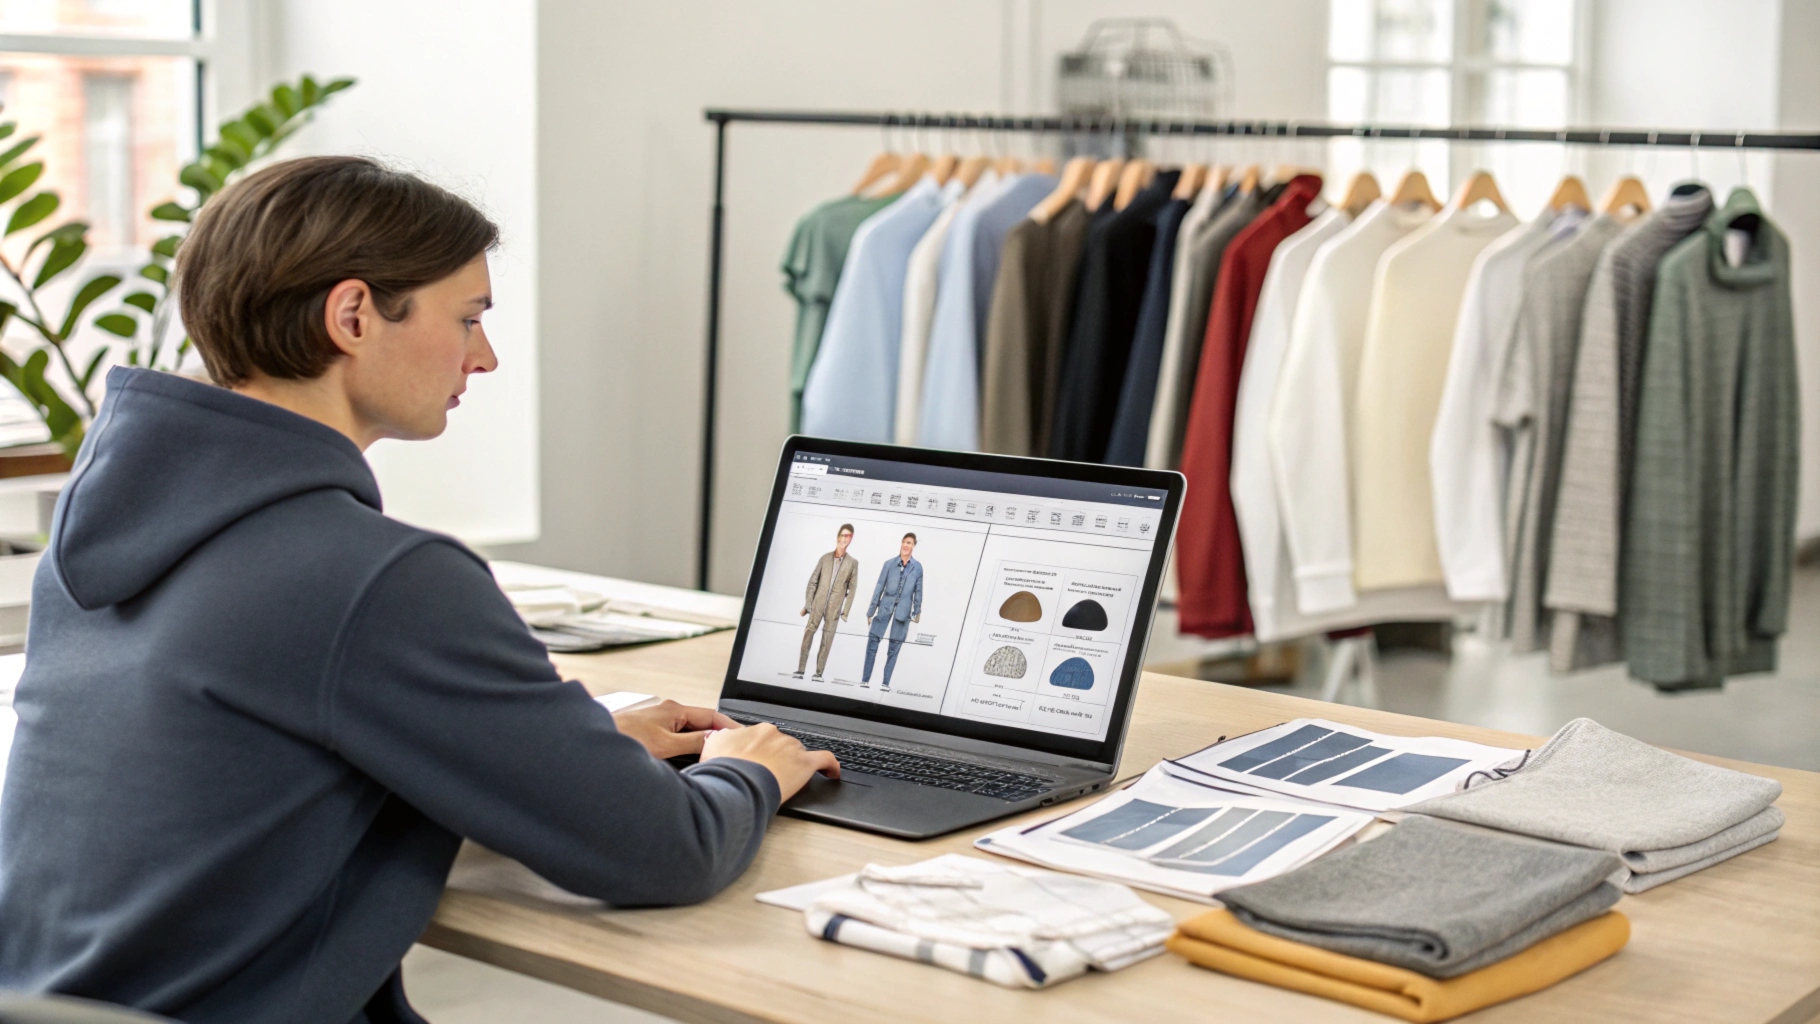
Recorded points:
(1276,130)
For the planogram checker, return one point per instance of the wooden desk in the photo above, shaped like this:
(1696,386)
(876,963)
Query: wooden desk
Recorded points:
(1736,942)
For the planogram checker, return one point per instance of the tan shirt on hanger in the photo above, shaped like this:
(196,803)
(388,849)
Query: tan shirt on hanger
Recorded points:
(1409,334)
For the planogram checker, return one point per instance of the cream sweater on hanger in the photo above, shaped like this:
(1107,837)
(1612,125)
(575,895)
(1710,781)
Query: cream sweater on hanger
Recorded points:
(1415,304)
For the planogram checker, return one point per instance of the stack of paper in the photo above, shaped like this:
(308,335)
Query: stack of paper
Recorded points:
(1313,759)
(571,611)
(1173,834)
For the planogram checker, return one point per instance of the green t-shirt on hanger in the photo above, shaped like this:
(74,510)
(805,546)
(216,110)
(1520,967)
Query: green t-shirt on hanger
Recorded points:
(812,266)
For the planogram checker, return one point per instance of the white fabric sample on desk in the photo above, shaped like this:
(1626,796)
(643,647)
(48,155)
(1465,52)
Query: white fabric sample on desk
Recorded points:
(1415,304)
(1467,456)
(919,312)
(1309,446)
(1018,927)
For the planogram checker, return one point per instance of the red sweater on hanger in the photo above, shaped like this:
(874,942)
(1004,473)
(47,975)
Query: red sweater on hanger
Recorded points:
(1210,565)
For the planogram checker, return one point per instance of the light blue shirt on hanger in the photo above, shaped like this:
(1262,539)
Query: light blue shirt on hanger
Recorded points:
(852,388)
(950,415)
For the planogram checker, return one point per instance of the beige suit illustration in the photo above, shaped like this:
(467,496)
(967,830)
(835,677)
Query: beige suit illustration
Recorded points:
(829,599)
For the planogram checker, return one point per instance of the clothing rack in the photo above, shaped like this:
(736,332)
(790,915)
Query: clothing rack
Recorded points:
(1275,131)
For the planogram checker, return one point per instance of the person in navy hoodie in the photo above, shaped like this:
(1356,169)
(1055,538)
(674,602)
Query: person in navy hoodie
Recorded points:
(258,717)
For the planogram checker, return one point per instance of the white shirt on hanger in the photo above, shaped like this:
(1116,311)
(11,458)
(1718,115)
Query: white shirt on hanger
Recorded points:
(1415,305)
(1308,435)
(919,312)
(1467,457)
(1254,495)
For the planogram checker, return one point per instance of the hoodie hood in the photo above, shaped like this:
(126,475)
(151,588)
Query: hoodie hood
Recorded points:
(171,462)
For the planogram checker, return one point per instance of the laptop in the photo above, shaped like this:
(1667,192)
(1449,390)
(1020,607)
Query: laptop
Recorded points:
(965,632)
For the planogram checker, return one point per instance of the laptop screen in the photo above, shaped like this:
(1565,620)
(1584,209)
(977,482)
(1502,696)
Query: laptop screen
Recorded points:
(974,593)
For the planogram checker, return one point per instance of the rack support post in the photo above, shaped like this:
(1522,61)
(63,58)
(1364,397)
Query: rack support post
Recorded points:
(711,356)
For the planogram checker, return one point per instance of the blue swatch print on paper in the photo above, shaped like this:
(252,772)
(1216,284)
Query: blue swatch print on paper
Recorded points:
(1073,674)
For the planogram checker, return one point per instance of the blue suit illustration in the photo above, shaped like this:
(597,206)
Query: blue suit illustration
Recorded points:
(897,601)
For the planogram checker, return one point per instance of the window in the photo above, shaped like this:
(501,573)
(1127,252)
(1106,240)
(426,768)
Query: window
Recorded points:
(1503,63)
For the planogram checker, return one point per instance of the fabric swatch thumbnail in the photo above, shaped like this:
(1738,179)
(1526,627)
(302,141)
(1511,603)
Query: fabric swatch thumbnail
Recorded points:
(1021,607)
(1007,662)
(1088,615)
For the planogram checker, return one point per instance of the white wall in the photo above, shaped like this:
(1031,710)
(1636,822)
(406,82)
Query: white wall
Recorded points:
(450,93)
(625,186)
(1797,179)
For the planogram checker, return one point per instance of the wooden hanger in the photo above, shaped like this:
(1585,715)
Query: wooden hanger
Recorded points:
(1361,192)
(881,165)
(1217,176)
(1248,180)
(1008,165)
(1285,172)
(971,168)
(1193,177)
(1044,165)
(1074,179)
(1413,188)
(1480,185)
(909,171)
(1627,193)
(943,167)
(1104,183)
(1570,193)
(1134,177)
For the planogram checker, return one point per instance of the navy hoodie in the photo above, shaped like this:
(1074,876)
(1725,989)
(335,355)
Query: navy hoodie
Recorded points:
(258,717)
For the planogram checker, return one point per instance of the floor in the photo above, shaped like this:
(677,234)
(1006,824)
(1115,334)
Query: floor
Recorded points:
(1773,719)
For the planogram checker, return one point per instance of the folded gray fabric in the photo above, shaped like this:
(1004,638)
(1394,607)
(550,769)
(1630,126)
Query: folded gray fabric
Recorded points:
(1636,883)
(1432,897)
(1594,787)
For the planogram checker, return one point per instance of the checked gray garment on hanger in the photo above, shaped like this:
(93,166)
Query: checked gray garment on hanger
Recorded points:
(1432,897)
(1664,814)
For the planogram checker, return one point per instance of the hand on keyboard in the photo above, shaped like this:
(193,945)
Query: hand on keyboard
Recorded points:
(783,755)
(925,769)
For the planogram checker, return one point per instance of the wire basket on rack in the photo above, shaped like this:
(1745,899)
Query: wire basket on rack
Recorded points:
(1134,68)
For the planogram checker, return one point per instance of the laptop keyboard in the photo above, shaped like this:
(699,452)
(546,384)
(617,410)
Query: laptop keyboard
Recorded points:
(922,769)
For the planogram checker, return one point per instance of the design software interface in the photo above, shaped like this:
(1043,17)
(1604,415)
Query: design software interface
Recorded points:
(986,596)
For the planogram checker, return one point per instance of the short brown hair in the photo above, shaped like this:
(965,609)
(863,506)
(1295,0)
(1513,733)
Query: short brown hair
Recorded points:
(844,528)
(254,273)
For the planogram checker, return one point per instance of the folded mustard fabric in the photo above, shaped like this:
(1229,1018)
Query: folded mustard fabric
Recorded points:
(1217,940)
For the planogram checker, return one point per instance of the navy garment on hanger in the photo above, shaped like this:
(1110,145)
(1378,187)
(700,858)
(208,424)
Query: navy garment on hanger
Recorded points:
(1115,268)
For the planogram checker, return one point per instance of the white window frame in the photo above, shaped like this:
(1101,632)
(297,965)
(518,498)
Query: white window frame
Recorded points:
(234,48)
(1464,67)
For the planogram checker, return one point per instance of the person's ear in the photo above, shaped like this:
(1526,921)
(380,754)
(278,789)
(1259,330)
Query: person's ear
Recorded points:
(347,315)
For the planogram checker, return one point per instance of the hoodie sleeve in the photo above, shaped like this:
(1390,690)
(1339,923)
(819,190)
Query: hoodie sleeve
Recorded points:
(440,694)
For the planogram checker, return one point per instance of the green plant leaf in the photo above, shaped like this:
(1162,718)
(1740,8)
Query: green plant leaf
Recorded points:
(336,86)
(229,154)
(132,357)
(7,129)
(32,211)
(58,416)
(19,179)
(118,323)
(154,272)
(260,121)
(74,231)
(200,178)
(88,372)
(308,91)
(167,246)
(142,301)
(7,310)
(92,289)
(285,99)
(242,134)
(171,211)
(17,150)
(62,256)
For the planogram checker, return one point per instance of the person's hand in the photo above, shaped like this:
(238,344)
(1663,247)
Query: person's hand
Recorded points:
(671,729)
(916,618)
(781,754)
(805,611)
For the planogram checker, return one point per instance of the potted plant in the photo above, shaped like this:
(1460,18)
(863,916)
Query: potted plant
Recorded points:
(64,395)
